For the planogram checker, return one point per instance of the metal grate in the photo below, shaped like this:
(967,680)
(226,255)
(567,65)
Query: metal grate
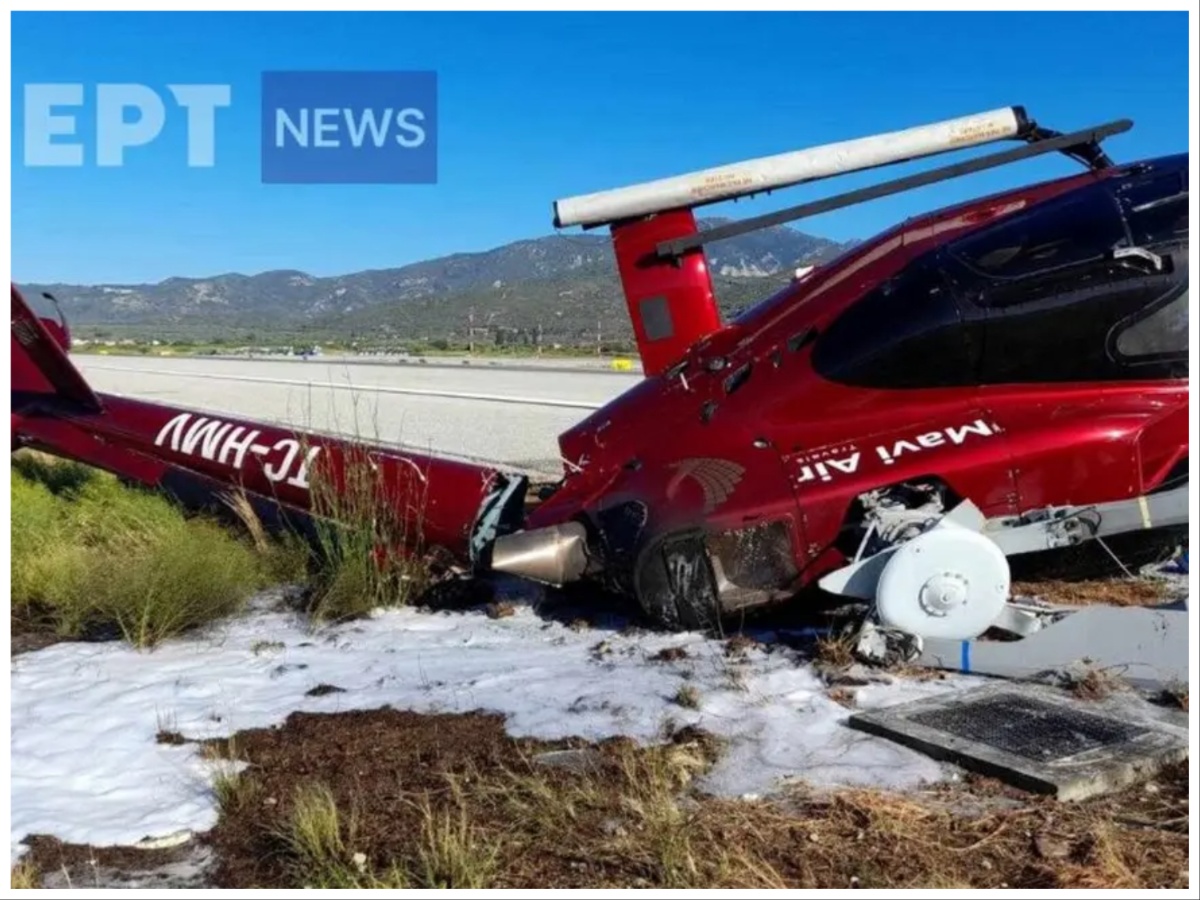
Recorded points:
(1027,727)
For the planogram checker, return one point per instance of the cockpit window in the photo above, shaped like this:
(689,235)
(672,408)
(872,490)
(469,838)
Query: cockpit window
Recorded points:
(1157,208)
(1080,227)
(1164,331)
(1159,331)
(1155,204)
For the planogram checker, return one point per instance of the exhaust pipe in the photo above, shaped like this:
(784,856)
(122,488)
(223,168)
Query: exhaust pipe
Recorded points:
(554,555)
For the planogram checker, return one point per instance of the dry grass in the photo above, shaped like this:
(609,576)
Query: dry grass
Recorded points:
(463,805)
(234,791)
(1092,684)
(317,837)
(634,812)
(25,876)
(834,653)
(739,646)
(369,535)
(320,841)
(878,839)
(688,696)
(177,572)
(1107,591)
(285,556)
(452,853)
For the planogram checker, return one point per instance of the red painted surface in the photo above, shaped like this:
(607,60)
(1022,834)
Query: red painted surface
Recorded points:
(1048,444)
(436,500)
(783,445)
(671,302)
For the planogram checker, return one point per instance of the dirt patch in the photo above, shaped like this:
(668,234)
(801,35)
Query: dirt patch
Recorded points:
(739,646)
(322,690)
(28,641)
(670,654)
(374,764)
(410,800)
(1109,591)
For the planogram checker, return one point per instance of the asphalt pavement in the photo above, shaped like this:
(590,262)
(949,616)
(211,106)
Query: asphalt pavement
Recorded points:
(506,414)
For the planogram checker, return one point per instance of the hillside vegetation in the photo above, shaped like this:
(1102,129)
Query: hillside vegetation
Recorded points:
(562,288)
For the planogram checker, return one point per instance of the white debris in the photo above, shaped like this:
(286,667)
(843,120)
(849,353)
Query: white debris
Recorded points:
(86,766)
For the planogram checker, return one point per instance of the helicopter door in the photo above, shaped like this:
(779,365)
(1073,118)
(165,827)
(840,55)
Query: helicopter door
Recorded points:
(1039,286)
(1047,289)
(1152,342)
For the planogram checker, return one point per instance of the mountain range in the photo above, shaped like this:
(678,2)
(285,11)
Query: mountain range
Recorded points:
(564,285)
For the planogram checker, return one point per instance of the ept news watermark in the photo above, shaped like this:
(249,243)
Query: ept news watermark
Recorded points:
(316,127)
(349,127)
(126,115)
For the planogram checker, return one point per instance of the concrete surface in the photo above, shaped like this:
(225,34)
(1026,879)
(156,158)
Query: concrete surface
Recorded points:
(1153,737)
(510,416)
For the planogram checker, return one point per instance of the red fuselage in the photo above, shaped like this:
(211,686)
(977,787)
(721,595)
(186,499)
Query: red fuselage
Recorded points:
(906,360)
(1022,351)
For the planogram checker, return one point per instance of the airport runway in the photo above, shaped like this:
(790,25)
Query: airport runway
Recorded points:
(501,414)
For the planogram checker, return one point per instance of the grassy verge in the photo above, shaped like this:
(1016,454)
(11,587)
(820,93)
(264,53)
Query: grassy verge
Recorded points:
(361,524)
(25,876)
(396,799)
(93,558)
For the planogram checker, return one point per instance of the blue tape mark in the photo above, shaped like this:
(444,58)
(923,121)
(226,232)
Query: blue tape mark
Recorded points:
(964,662)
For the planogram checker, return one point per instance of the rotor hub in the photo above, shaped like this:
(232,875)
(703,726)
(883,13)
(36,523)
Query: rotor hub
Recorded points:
(943,593)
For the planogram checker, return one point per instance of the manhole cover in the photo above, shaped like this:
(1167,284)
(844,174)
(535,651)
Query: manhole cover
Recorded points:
(1028,727)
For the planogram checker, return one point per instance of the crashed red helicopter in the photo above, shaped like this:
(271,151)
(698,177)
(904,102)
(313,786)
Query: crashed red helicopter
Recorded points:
(1001,377)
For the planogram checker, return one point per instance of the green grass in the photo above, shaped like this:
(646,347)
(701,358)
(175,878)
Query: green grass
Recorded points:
(369,538)
(321,843)
(92,556)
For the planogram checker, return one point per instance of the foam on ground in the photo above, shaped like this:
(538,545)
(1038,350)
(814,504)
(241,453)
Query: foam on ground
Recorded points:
(86,767)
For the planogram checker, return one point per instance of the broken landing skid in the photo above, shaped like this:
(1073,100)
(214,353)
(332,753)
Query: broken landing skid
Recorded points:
(936,594)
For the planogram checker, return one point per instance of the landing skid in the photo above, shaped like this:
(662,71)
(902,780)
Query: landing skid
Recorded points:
(936,594)
(1145,646)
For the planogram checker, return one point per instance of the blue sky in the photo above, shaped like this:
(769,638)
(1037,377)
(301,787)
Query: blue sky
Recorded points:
(533,107)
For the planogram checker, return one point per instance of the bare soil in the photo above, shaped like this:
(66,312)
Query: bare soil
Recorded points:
(599,826)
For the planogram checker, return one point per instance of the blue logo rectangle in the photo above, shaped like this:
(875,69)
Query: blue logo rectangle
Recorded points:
(349,127)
